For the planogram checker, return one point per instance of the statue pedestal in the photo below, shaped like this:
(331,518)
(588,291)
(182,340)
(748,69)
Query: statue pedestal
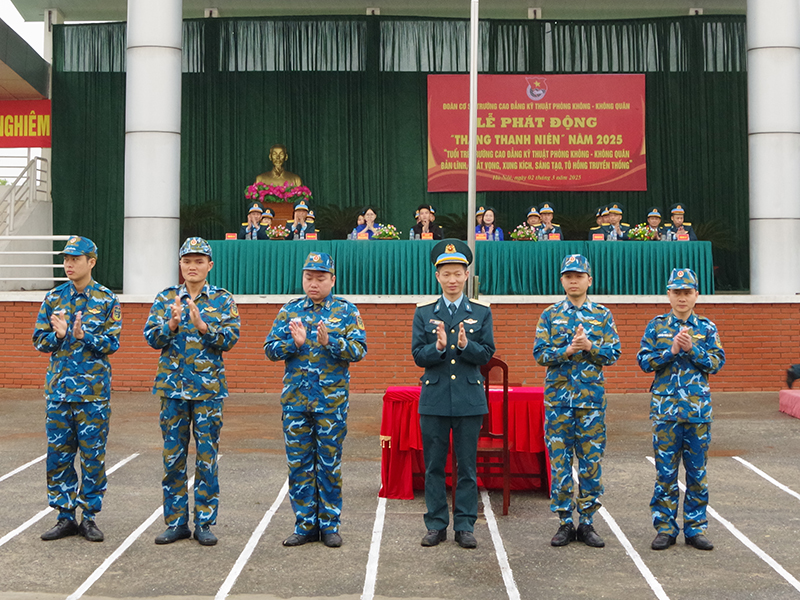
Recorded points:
(284,211)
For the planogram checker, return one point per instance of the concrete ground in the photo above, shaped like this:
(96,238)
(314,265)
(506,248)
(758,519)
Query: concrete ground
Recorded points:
(755,555)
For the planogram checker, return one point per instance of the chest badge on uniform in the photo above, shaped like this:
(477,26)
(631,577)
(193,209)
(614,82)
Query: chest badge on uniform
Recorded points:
(93,311)
(435,321)
(470,321)
(334,319)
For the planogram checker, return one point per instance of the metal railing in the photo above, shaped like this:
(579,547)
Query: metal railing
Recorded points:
(32,184)
(38,255)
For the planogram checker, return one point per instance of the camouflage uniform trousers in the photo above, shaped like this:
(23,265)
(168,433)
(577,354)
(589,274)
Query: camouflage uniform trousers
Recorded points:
(673,441)
(579,431)
(73,426)
(205,418)
(314,454)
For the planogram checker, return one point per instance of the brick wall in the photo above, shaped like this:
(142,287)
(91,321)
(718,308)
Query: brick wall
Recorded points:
(760,340)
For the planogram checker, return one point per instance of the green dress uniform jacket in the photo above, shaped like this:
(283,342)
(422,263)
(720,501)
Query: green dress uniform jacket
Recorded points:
(452,384)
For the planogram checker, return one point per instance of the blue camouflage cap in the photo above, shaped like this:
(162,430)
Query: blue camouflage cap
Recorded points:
(195,245)
(576,263)
(682,279)
(319,261)
(80,246)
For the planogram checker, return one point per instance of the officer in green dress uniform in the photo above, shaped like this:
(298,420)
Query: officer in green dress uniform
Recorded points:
(679,225)
(452,339)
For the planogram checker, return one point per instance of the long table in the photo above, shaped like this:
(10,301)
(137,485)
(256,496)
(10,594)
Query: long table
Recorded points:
(402,464)
(402,267)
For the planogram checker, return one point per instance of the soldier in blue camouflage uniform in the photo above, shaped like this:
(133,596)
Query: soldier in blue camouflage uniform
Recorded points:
(317,336)
(575,339)
(682,349)
(192,324)
(79,325)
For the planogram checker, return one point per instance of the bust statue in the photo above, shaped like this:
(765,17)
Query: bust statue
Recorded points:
(278,155)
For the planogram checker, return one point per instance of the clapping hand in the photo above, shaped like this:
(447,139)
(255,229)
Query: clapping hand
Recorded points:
(441,337)
(298,331)
(682,341)
(77,326)
(175,314)
(580,341)
(58,321)
(322,334)
(196,318)
(462,336)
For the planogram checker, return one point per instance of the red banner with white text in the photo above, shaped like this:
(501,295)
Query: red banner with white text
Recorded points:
(539,132)
(25,124)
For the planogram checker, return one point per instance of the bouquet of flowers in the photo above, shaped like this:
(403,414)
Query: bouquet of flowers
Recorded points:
(266,192)
(277,232)
(386,232)
(524,233)
(642,233)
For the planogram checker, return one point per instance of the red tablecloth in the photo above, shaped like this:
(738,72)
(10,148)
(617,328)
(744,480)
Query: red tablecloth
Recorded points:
(402,464)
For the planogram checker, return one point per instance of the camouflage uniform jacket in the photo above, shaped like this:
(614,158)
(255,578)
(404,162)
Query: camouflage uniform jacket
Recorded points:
(317,378)
(680,389)
(79,370)
(190,366)
(575,381)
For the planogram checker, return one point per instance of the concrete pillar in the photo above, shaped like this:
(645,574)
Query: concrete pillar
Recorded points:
(773,90)
(152,145)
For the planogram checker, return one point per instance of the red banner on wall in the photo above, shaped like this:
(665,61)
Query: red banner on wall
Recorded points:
(25,124)
(536,132)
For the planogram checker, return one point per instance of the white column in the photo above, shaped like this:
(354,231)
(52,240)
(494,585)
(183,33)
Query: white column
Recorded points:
(152,145)
(773,90)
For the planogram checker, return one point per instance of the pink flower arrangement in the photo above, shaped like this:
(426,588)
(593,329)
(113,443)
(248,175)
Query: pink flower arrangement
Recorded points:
(266,192)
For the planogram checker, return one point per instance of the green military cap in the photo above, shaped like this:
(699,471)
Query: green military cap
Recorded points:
(682,279)
(451,251)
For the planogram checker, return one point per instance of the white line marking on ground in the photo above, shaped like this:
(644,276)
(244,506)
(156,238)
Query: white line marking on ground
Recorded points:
(374,552)
(250,547)
(42,514)
(629,549)
(772,480)
(23,467)
(747,542)
(499,548)
(98,572)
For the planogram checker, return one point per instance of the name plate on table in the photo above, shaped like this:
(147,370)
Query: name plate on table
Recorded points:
(683,237)
(598,237)
(554,236)
(230,236)
(311,236)
(480,236)
(428,236)
(362,236)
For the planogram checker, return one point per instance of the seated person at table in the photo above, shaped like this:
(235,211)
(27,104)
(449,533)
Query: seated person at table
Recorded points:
(266,218)
(370,227)
(488,228)
(359,222)
(679,225)
(299,227)
(654,221)
(602,227)
(425,223)
(479,216)
(548,228)
(534,219)
(617,230)
(253,230)
(311,217)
